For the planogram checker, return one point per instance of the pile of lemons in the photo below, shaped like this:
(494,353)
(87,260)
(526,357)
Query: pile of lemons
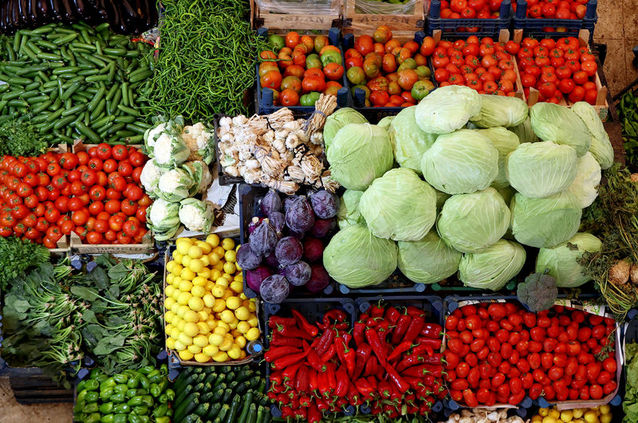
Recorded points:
(207,316)
(600,414)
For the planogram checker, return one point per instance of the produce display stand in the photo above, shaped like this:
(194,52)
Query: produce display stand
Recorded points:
(457,28)
(403,26)
(561,27)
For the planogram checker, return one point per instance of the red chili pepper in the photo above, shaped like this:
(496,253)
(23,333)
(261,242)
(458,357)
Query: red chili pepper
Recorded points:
(414,329)
(392,314)
(401,385)
(377,347)
(304,324)
(433,344)
(365,388)
(362,354)
(330,352)
(357,333)
(289,360)
(413,360)
(304,401)
(372,366)
(301,382)
(286,412)
(384,389)
(400,329)
(414,311)
(332,379)
(315,361)
(313,383)
(354,396)
(399,349)
(383,328)
(423,369)
(349,359)
(342,382)
(292,332)
(280,341)
(376,311)
(290,372)
(275,321)
(372,322)
(278,388)
(364,316)
(314,415)
(415,382)
(300,413)
(423,349)
(322,379)
(326,340)
(272,396)
(335,315)
(276,378)
(432,330)
(341,326)
(425,408)
(322,404)
(391,411)
(276,352)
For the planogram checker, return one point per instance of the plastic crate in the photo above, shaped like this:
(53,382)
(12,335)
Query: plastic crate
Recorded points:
(395,284)
(249,200)
(264,96)
(457,28)
(534,27)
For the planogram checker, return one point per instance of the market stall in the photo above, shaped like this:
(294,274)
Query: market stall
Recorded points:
(357,211)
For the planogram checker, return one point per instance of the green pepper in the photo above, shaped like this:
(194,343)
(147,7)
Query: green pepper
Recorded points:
(170,394)
(133,382)
(120,389)
(164,369)
(120,418)
(155,376)
(92,385)
(93,418)
(164,419)
(108,383)
(108,418)
(118,398)
(160,411)
(155,390)
(146,370)
(122,409)
(163,399)
(80,386)
(91,408)
(106,408)
(135,401)
(132,418)
(148,401)
(91,396)
(82,395)
(309,99)
(140,410)
(121,378)
(145,382)
(106,394)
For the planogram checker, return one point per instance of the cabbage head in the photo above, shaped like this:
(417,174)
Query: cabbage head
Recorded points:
(385,122)
(585,185)
(524,131)
(349,213)
(461,162)
(541,169)
(447,109)
(472,222)
(441,198)
(408,140)
(493,267)
(359,154)
(356,258)
(429,260)
(559,124)
(399,206)
(561,262)
(545,222)
(339,119)
(600,145)
(498,110)
(505,142)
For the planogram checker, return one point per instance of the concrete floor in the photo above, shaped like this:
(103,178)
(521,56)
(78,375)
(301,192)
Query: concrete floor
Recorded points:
(12,412)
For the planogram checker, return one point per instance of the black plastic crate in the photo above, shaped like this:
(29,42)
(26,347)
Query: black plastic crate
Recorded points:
(397,283)
(264,96)
(31,386)
(533,27)
(457,28)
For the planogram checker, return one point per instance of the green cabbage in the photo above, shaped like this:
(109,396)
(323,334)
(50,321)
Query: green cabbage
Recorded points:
(524,131)
(429,260)
(559,124)
(359,154)
(545,222)
(493,267)
(561,262)
(385,122)
(585,185)
(408,140)
(339,119)
(498,110)
(507,193)
(399,206)
(447,109)
(472,222)
(461,162)
(505,142)
(349,213)
(541,169)
(600,146)
(441,198)
(356,258)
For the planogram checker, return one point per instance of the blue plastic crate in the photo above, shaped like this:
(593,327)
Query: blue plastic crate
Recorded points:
(265,95)
(533,27)
(454,28)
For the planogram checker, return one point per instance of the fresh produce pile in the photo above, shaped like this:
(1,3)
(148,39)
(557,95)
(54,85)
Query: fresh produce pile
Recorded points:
(483,415)
(628,114)
(601,414)
(208,317)
(296,68)
(286,242)
(630,403)
(390,72)
(20,139)
(559,69)
(177,175)
(54,317)
(17,256)
(552,9)
(482,64)
(226,394)
(94,194)
(75,81)
(387,215)
(130,396)
(498,353)
(464,9)
(387,362)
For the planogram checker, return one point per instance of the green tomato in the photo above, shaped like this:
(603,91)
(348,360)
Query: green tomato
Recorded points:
(309,99)
(356,75)
(313,61)
(331,56)
(408,63)
(420,89)
(277,42)
(423,71)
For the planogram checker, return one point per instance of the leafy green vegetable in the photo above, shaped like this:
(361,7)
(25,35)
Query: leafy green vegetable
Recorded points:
(17,256)
(20,139)
(562,261)
(630,403)
(628,113)
(538,292)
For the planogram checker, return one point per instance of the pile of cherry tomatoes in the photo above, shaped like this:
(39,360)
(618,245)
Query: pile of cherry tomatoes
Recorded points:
(95,194)
(391,73)
(300,69)
(555,9)
(559,69)
(482,64)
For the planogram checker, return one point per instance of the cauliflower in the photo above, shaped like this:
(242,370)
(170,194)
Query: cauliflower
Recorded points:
(151,136)
(170,150)
(197,139)
(175,185)
(199,173)
(150,177)
(163,219)
(196,215)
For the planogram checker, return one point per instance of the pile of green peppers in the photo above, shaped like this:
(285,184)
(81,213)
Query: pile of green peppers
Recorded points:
(133,396)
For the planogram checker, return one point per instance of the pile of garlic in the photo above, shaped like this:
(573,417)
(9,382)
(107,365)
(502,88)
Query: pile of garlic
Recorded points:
(273,150)
(482,415)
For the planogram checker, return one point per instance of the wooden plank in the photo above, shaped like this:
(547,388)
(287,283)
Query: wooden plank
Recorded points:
(289,21)
(401,25)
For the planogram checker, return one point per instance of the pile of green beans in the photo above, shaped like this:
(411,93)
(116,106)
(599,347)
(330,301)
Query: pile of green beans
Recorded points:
(75,82)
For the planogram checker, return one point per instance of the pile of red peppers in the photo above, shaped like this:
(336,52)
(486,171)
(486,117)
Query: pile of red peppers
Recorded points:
(389,361)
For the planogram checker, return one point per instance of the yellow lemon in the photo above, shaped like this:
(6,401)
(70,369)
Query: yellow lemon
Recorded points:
(185,339)
(220,330)
(606,418)
(196,265)
(229,267)
(179,325)
(230,256)
(200,340)
(578,413)
(243,327)
(203,315)
(228,244)
(175,307)
(210,285)
(591,417)
(212,324)
(203,327)
(253,321)
(169,316)
(202,358)
(549,419)
(215,274)
(218,291)
(194,349)
(200,281)
(237,287)
(566,416)
(191,316)
(554,413)
(195,252)
(176,281)
(169,266)
(233,303)
(243,296)
(222,281)
(177,269)
(219,251)
(252,334)
(216,339)
(220,357)
(226,345)
(227,294)
(219,306)
(170,343)
(212,240)
(227,316)
(179,346)
(169,328)
(543,412)
(186,355)
(187,274)
(169,301)
(186,260)
(219,266)
(182,248)
(183,240)
(198,291)
(196,304)
(233,324)
(170,278)
(234,352)
(242,313)
(183,298)
(241,341)
(604,409)
(191,329)
(209,300)
(204,246)
(204,273)
(252,306)
(204,260)
(214,259)
(238,276)
(210,350)
(185,285)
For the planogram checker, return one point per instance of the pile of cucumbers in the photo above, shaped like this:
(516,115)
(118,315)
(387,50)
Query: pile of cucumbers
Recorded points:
(221,395)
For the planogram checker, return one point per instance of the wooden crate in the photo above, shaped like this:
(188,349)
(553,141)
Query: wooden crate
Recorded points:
(288,21)
(402,26)
(601,106)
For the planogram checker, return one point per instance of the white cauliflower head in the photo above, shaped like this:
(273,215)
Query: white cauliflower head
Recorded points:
(196,215)
(150,177)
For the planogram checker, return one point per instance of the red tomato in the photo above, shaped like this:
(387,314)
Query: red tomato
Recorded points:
(94,237)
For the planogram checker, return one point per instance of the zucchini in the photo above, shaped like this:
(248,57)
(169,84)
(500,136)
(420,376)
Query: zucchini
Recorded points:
(248,400)
(202,409)
(186,407)
(234,409)
(193,418)
(252,414)
(214,411)
(223,413)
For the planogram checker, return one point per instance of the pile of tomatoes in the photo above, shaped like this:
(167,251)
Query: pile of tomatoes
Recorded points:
(95,194)
(558,69)
(391,73)
(497,353)
(555,9)
(482,64)
(470,9)
(301,69)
